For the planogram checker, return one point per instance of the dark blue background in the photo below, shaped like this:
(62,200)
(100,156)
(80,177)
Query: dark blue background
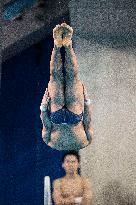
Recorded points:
(26,159)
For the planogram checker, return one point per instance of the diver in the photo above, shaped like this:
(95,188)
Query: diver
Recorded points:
(65,107)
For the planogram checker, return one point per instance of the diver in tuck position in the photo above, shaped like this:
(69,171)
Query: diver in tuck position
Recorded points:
(65,107)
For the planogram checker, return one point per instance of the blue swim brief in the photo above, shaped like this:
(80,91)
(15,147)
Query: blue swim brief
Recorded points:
(65,116)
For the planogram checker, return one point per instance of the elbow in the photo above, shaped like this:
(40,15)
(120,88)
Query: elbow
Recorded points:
(87,199)
(57,200)
(47,125)
(89,134)
(46,136)
(89,137)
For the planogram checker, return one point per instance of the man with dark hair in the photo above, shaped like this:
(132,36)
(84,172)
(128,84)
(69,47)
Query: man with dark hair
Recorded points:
(72,152)
(72,189)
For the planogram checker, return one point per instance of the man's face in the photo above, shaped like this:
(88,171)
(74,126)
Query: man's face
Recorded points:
(71,164)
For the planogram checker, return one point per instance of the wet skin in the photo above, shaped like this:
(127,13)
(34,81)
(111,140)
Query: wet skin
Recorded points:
(65,90)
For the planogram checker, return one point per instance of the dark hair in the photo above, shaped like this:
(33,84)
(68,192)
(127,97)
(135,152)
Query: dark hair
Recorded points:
(71,153)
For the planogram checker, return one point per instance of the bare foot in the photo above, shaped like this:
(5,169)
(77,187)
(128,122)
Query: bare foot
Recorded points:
(66,35)
(57,35)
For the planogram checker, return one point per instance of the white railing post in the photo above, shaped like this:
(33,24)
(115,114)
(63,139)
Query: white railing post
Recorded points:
(47,191)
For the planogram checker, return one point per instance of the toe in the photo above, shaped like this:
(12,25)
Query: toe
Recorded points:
(63,24)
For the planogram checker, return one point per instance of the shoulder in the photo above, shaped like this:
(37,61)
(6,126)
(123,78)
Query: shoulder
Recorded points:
(86,181)
(57,182)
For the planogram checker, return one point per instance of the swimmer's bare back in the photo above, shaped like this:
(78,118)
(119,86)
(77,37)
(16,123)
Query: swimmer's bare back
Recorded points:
(69,136)
(63,136)
(72,191)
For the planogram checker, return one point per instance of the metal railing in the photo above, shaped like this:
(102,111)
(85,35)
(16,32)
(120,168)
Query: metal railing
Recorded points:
(47,191)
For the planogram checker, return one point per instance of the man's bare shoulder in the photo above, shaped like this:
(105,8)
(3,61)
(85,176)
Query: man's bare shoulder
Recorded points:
(85,180)
(58,181)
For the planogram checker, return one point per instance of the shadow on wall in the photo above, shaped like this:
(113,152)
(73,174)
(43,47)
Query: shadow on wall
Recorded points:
(115,194)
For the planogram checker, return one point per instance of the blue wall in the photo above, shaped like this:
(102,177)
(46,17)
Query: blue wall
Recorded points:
(26,159)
